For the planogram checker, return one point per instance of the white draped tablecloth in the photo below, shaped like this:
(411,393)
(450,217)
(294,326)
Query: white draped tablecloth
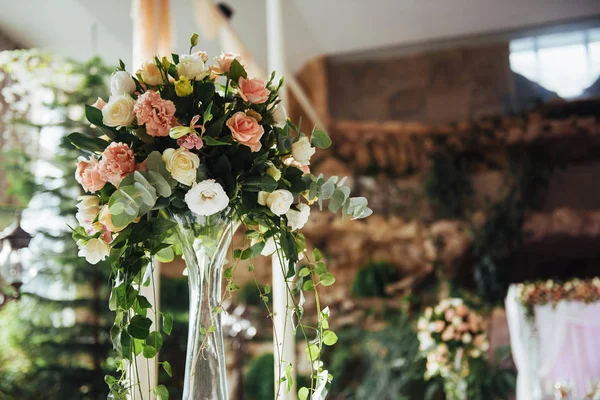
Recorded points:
(560,343)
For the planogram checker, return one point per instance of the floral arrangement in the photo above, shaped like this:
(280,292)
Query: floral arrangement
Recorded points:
(450,334)
(531,294)
(183,135)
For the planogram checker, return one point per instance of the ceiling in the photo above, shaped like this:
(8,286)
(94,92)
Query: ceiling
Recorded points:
(82,28)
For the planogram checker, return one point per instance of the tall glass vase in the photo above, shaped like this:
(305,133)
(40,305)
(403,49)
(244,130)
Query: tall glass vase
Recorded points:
(205,241)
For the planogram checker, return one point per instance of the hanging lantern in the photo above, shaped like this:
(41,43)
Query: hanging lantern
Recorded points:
(15,261)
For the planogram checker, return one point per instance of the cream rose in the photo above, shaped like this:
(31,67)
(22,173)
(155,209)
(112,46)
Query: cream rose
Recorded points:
(118,111)
(87,210)
(94,250)
(105,219)
(279,116)
(297,219)
(182,164)
(192,66)
(279,201)
(207,198)
(302,151)
(121,83)
(150,73)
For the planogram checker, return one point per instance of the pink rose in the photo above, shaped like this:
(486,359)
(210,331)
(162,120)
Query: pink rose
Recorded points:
(291,162)
(448,334)
(117,162)
(99,103)
(246,130)
(156,113)
(88,175)
(225,60)
(253,90)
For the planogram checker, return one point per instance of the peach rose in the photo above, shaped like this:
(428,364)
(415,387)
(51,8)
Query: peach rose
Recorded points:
(156,113)
(88,175)
(449,314)
(448,334)
(225,60)
(246,130)
(438,326)
(117,162)
(291,162)
(99,103)
(253,90)
(462,310)
(105,219)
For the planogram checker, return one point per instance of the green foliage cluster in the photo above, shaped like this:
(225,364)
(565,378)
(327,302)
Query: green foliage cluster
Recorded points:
(372,279)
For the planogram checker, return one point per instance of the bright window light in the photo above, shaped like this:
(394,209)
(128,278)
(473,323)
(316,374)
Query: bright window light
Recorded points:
(566,63)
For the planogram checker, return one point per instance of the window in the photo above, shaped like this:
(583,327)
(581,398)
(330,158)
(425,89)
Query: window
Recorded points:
(566,63)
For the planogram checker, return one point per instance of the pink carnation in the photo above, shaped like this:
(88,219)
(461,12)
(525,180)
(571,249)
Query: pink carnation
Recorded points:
(88,175)
(191,142)
(253,90)
(117,162)
(156,113)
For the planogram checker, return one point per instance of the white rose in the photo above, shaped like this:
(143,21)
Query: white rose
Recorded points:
(118,111)
(150,73)
(207,198)
(192,66)
(182,164)
(467,338)
(475,353)
(297,219)
(302,151)
(262,198)
(94,250)
(279,201)
(279,116)
(422,324)
(121,83)
(87,210)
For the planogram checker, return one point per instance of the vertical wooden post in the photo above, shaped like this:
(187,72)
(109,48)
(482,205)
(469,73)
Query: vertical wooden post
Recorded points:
(284,343)
(150,17)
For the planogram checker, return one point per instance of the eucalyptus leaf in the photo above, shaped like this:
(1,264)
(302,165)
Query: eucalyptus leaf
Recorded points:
(320,139)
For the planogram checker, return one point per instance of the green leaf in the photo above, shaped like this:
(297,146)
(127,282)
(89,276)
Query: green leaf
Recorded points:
(317,254)
(214,142)
(267,288)
(320,268)
(155,340)
(93,115)
(263,183)
(159,183)
(303,393)
(327,279)
(165,255)
(143,302)
(167,367)
(138,346)
(161,392)
(304,272)
(175,58)
(329,338)
(88,142)
(236,70)
(139,327)
(288,377)
(155,163)
(207,116)
(167,323)
(320,139)
(308,285)
(126,345)
(149,351)
(312,351)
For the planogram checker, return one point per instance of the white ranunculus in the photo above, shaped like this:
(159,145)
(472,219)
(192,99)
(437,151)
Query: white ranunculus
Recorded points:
(279,201)
(88,209)
(94,250)
(467,338)
(121,83)
(150,73)
(297,219)
(182,164)
(302,151)
(192,66)
(207,198)
(118,111)
(279,116)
